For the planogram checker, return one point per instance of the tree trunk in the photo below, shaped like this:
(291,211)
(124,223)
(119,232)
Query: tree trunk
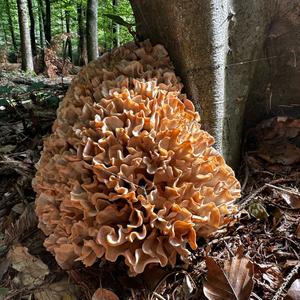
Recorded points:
(47,23)
(69,40)
(92,29)
(115,26)
(27,63)
(81,47)
(32,27)
(202,37)
(105,46)
(41,26)
(10,24)
(42,21)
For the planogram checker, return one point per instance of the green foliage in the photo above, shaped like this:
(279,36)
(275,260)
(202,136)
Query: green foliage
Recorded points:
(108,14)
(122,14)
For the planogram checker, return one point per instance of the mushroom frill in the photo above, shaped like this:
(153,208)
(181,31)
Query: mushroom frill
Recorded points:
(127,170)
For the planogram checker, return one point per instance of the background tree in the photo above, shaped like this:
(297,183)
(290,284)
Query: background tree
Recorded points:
(92,29)
(26,52)
(47,22)
(10,23)
(68,30)
(81,45)
(32,27)
(115,26)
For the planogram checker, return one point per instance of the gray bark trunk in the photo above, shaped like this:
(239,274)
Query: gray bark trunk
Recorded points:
(202,37)
(275,88)
(92,29)
(27,62)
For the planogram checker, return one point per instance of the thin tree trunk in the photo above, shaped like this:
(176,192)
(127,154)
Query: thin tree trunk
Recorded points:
(81,47)
(42,21)
(69,40)
(115,26)
(32,27)
(41,26)
(47,23)
(27,62)
(10,24)
(92,29)
(104,24)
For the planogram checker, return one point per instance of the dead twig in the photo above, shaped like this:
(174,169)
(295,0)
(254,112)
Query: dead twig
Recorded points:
(282,189)
(281,291)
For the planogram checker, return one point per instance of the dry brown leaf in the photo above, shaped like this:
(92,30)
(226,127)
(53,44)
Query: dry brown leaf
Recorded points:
(234,282)
(104,294)
(294,291)
(63,289)
(32,271)
(269,273)
(273,276)
(26,221)
(292,199)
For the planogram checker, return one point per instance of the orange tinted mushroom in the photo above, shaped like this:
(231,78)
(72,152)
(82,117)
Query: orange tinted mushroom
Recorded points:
(127,170)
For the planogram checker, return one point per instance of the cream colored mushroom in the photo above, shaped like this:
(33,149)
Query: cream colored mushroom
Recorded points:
(127,170)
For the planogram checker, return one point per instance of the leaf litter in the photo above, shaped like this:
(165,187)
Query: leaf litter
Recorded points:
(266,227)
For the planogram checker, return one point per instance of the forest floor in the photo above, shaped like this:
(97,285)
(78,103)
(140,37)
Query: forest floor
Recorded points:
(258,252)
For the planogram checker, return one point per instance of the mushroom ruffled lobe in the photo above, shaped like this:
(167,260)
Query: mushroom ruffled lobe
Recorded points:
(127,170)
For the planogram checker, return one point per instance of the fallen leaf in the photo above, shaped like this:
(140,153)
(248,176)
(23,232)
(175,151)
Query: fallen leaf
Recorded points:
(292,199)
(273,276)
(258,211)
(235,282)
(290,263)
(188,286)
(294,291)
(61,290)
(25,222)
(104,294)
(32,271)
(18,208)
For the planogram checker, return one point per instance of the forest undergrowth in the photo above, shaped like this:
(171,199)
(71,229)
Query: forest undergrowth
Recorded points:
(255,257)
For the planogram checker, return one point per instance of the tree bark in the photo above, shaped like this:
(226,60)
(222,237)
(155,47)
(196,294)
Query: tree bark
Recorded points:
(92,29)
(81,47)
(32,27)
(105,44)
(69,39)
(47,23)
(41,25)
(202,37)
(27,62)
(115,26)
(42,20)
(10,24)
